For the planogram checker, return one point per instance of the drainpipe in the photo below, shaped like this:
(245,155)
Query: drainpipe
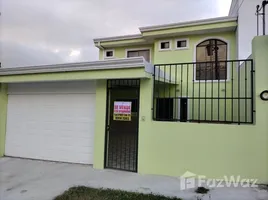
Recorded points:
(99,46)
(264,3)
(257,14)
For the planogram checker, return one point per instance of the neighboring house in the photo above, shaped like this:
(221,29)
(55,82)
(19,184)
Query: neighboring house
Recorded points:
(245,11)
(172,99)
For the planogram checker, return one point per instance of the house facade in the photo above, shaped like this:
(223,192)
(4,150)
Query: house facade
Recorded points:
(171,99)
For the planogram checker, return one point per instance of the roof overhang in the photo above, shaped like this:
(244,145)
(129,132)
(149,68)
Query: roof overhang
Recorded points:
(108,69)
(149,33)
(127,68)
(215,25)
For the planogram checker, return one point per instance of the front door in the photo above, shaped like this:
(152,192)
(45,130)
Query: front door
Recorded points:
(121,149)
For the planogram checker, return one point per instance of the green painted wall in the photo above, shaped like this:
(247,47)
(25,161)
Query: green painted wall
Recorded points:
(120,52)
(99,137)
(3,115)
(186,87)
(176,56)
(189,29)
(187,55)
(213,150)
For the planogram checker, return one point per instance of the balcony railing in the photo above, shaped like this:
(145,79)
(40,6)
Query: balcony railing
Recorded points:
(205,92)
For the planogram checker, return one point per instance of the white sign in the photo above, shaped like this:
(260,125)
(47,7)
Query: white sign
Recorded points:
(122,111)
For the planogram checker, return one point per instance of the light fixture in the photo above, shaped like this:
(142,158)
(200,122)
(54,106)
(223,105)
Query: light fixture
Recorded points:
(264,95)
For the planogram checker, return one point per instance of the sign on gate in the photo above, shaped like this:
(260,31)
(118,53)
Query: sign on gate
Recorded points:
(122,111)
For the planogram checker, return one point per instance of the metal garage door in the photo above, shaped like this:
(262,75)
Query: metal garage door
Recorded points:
(51,121)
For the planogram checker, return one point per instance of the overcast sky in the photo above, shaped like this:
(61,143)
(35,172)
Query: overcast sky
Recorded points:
(36,32)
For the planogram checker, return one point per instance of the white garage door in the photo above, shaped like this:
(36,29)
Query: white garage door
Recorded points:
(51,121)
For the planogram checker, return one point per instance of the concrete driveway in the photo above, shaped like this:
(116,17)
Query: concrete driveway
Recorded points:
(22,179)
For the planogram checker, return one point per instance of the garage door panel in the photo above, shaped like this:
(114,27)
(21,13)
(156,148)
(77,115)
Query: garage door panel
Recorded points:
(51,127)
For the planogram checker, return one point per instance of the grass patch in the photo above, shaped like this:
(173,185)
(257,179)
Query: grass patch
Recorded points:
(85,193)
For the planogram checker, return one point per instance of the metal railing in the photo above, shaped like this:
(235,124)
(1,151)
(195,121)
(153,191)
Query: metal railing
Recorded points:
(210,92)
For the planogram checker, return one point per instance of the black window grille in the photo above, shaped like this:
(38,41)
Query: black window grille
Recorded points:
(179,96)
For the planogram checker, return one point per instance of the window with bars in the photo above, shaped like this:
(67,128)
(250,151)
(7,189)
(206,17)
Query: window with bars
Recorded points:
(210,57)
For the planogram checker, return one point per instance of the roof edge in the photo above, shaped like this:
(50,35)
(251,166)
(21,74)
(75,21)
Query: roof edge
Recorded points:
(234,8)
(72,67)
(116,38)
(188,23)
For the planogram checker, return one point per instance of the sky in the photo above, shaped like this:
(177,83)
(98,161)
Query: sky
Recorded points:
(38,32)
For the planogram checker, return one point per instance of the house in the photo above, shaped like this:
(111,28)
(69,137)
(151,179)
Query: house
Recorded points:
(171,99)
(249,27)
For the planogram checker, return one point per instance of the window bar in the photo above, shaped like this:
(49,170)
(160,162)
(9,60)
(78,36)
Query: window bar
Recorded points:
(159,80)
(252,92)
(154,100)
(125,156)
(181,79)
(246,92)
(232,91)
(238,95)
(212,97)
(164,89)
(225,91)
(120,150)
(218,65)
(176,109)
(181,67)
(206,92)
(133,153)
(187,81)
(199,93)
(129,152)
(169,81)
(194,69)
(169,88)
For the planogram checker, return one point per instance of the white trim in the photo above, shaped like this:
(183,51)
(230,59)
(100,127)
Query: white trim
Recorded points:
(182,39)
(161,41)
(105,51)
(179,107)
(228,58)
(188,23)
(116,38)
(140,49)
(121,63)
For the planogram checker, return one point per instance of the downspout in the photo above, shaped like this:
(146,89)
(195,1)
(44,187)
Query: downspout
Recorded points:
(264,3)
(99,45)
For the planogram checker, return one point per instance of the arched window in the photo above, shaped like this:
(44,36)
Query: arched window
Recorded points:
(212,56)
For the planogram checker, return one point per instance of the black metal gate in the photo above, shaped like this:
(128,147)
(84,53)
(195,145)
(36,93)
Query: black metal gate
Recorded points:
(121,143)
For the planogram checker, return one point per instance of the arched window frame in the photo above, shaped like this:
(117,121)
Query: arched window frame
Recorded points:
(228,58)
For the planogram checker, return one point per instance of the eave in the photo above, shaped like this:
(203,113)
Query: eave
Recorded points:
(149,33)
(110,69)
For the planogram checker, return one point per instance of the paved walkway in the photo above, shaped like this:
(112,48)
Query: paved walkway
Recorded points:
(22,179)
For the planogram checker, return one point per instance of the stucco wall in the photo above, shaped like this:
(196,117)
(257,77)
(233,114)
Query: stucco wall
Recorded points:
(213,150)
(178,56)
(247,26)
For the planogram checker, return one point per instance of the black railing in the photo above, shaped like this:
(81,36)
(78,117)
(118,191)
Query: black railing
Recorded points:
(211,92)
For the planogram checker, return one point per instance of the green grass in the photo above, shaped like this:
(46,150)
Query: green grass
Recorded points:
(85,193)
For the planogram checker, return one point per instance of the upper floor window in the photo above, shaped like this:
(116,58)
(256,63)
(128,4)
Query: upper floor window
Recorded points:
(108,54)
(211,57)
(145,53)
(165,45)
(182,44)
